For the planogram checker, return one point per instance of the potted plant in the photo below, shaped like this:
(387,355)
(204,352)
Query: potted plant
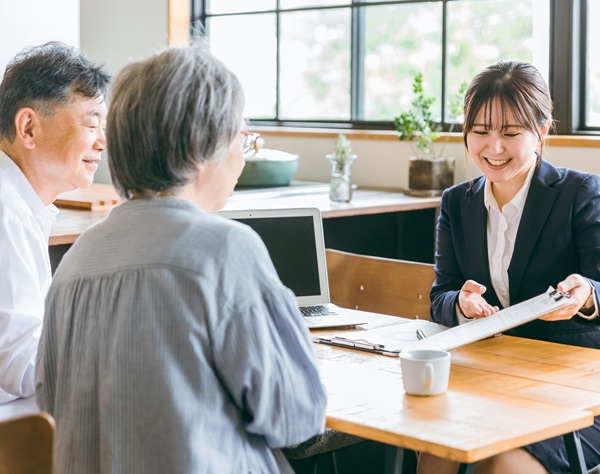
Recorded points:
(429,172)
(340,189)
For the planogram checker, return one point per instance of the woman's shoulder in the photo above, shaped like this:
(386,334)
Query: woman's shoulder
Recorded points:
(560,177)
(463,190)
(168,232)
(224,238)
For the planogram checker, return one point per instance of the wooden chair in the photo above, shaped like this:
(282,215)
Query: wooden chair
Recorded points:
(380,285)
(27,445)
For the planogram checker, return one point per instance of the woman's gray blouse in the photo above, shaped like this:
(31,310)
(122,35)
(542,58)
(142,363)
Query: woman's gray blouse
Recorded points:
(171,346)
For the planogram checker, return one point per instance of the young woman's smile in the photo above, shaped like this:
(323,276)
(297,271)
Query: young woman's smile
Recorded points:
(501,148)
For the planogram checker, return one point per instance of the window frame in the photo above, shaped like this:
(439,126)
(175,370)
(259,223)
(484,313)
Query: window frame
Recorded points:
(567,74)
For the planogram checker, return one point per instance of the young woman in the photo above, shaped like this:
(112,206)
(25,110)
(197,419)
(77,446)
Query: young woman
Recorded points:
(509,234)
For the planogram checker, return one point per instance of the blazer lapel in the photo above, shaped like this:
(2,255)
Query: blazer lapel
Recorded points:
(538,205)
(474,233)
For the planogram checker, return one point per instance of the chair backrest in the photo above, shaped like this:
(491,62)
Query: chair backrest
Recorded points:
(380,285)
(27,445)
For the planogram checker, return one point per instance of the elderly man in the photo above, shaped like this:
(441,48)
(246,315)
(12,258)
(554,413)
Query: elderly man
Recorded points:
(52,118)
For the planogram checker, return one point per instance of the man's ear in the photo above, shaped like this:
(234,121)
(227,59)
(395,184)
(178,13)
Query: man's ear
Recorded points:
(26,124)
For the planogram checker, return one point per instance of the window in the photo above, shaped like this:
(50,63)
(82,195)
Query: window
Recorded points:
(592,71)
(351,63)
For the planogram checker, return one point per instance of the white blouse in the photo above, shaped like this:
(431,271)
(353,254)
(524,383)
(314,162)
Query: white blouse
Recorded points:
(502,230)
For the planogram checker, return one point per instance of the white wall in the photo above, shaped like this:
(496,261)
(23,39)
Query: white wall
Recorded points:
(116,32)
(26,23)
(384,163)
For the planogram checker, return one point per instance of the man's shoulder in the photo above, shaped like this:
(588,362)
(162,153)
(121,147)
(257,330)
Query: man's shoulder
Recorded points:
(13,207)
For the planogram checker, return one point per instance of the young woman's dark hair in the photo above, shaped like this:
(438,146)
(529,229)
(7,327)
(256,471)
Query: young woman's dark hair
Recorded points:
(509,84)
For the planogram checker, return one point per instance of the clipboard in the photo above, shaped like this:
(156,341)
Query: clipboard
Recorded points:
(387,340)
(499,322)
(392,340)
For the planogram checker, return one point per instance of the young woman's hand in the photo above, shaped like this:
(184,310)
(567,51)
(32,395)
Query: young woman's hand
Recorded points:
(471,302)
(580,290)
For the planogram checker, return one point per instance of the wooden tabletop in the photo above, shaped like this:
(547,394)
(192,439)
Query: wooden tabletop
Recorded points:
(71,223)
(504,393)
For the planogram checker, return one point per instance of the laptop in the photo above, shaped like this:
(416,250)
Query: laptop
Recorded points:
(294,239)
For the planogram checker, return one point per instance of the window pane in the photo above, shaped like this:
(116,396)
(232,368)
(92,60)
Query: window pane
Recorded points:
(253,59)
(310,3)
(315,65)
(483,32)
(236,6)
(592,112)
(401,40)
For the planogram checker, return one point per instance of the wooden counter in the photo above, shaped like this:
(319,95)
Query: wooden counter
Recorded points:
(71,223)
(364,201)
(376,222)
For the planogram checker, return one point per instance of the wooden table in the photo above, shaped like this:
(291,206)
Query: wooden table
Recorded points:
(504,393)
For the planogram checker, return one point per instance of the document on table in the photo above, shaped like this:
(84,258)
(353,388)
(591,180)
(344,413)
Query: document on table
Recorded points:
(387,340)
(503,320)
(391,340)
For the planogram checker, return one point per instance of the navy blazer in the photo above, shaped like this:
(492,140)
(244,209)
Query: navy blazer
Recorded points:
(559,234)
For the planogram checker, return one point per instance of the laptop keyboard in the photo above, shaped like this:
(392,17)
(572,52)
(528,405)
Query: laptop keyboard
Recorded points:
(317,310)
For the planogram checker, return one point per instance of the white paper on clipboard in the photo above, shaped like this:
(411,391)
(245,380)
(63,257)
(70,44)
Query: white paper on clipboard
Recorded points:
(501,321)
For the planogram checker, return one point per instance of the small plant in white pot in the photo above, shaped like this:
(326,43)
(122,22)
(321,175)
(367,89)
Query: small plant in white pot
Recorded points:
(340,189)
(429,172)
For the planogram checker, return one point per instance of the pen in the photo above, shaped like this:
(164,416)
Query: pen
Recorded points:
(420,334)
(359,344)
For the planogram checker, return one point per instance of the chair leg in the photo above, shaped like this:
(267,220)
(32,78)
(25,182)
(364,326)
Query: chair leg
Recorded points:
(466,468)
(314,464)
(574,452)
(409,461)
(333,463)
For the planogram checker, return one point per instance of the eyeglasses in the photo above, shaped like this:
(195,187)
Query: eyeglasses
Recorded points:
(249,140)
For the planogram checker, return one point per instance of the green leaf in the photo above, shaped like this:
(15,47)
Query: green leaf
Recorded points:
(417,122)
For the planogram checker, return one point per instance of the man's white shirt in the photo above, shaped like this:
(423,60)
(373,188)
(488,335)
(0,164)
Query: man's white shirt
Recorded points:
(25,277)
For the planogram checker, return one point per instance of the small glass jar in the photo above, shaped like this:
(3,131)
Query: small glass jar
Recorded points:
(340,185)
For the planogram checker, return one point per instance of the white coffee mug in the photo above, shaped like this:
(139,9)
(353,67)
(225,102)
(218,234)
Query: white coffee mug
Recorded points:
(425,372)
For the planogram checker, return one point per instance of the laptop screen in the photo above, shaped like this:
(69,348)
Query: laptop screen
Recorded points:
(291,245)
(294,239)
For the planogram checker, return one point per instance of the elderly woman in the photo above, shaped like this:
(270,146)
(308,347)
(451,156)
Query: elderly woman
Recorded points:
(170,344)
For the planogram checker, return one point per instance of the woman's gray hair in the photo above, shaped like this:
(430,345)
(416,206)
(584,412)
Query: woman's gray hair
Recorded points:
(169,113)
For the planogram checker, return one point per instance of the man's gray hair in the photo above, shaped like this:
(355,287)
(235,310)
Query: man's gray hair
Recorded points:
(168,113)
(47,78)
